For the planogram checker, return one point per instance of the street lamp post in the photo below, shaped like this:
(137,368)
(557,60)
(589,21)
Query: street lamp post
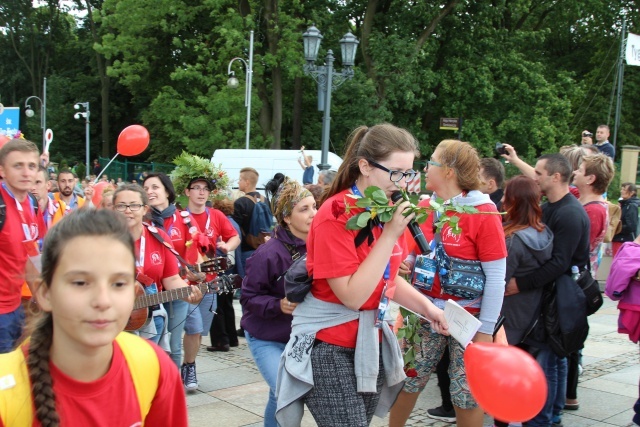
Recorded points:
(328,80)
(43,111)
(233,83)
(86,114)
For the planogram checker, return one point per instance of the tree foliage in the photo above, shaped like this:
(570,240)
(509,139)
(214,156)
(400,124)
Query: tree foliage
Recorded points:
(534,74)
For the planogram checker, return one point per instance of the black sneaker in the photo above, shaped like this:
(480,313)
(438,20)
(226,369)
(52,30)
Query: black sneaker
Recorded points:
(439,413)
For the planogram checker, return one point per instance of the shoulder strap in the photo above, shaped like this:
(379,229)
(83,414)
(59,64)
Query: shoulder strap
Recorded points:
(253,199)
(144,368)
(16,404)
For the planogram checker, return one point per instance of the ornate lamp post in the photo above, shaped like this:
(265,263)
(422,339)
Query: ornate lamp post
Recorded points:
(233,83)
(327,79)
(86,114)
(43,111)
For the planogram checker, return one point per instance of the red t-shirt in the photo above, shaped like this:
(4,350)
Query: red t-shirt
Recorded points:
(213,223)
(482,238)
(178,233)
(13,253)
(331,253)
(159,263)
(112,400)
(597,213)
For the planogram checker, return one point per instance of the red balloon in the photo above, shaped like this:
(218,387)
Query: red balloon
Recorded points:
(505,381)
(133,140)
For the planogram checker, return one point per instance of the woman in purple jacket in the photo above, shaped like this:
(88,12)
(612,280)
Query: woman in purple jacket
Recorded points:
(267,312)
(623,284)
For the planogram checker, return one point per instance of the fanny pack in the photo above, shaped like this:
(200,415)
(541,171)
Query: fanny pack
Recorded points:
(459,277)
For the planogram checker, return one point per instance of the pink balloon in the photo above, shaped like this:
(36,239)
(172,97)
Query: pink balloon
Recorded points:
(505,381)
(4,139)
(98,189)
(133,140)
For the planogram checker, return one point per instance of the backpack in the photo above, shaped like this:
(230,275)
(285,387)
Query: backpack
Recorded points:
(614,225)
(15,386)
(260,223)
(3,208)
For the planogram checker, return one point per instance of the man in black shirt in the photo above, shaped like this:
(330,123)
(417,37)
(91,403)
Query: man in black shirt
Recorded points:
(569,222)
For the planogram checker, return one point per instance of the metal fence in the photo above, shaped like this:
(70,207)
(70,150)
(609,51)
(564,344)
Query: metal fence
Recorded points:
(130,171)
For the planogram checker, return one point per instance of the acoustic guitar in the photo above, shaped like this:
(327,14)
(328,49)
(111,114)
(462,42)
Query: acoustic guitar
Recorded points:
(140,313)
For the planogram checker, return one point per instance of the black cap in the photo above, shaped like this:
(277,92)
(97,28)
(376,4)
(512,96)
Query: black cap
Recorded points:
(211,183)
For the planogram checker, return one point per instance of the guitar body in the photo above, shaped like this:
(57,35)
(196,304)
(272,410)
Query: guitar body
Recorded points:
(138,316)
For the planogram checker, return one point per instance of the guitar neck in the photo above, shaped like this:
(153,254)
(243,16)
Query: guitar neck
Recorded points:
(148,300)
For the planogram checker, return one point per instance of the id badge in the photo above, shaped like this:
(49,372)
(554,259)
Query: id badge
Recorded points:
(424,273)
(151,289)
(383,306)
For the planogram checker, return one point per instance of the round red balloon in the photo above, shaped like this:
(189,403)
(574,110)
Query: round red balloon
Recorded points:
(505,381)
(133,140)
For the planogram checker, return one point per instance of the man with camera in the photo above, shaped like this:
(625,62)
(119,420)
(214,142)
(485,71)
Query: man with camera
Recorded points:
(587,138)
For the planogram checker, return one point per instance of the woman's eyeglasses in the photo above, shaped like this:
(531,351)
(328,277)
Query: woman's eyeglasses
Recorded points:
(395,175)
(433,163)
(134,207)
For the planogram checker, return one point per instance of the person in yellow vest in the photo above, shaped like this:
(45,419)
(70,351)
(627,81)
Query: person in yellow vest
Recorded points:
(77,365)
(65,200)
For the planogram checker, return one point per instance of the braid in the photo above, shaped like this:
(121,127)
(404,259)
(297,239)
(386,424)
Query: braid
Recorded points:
(44,398)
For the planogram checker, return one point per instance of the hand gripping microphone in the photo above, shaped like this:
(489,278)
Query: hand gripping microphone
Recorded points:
(414,228)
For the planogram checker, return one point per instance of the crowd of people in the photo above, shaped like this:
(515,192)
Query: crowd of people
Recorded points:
(77,260)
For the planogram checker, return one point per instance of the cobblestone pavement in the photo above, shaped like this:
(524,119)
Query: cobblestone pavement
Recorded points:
(232,393)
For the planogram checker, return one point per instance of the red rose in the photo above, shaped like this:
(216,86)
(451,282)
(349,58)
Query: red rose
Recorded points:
(411,372)
(337,208)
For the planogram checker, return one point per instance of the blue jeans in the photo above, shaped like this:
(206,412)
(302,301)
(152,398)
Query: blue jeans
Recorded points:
(267,354)
(555,370)
(177,313)
(159,321)
(11,325)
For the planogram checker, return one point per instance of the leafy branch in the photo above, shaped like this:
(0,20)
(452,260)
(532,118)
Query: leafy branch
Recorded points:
(376,204)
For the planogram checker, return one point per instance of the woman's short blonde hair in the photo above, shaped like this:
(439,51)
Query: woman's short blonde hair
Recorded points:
(464,160)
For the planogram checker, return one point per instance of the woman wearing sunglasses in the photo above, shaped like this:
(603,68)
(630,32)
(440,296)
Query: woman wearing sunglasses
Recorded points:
(340,361)
(452,174)
(156,267)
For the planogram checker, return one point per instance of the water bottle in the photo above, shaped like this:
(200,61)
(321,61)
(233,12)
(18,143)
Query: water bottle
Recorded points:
(575,273)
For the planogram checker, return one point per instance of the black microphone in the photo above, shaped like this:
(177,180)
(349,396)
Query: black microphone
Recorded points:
(414,228)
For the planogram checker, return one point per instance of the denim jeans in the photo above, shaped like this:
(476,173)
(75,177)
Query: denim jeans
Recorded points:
(159,322)
(11,325)
(267,354)
(177,313)
(555,370)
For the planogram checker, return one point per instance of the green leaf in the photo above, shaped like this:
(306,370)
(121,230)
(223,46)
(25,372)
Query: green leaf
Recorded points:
(352,223)
(434,204)
(379,197)
(454,220)
(421,217)
(385,216)
(401,333)
(363,219)
(363,202)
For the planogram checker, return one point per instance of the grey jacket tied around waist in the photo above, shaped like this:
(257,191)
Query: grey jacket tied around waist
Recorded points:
(295,373)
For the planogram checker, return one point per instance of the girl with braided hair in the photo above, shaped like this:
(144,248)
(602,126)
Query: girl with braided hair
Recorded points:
(267,312)
(80,366)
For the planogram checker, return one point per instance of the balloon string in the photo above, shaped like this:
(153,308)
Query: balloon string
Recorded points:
(105,168)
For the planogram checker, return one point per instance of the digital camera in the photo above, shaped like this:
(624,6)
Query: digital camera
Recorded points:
(587,135)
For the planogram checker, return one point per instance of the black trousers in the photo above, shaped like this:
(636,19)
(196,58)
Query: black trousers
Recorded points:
(223,328)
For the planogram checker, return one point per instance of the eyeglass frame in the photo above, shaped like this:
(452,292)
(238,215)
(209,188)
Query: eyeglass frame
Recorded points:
(433,163)
(205,189)
(130,207)
(409,175)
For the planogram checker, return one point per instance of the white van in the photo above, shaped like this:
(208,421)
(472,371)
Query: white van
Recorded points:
(269,162)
